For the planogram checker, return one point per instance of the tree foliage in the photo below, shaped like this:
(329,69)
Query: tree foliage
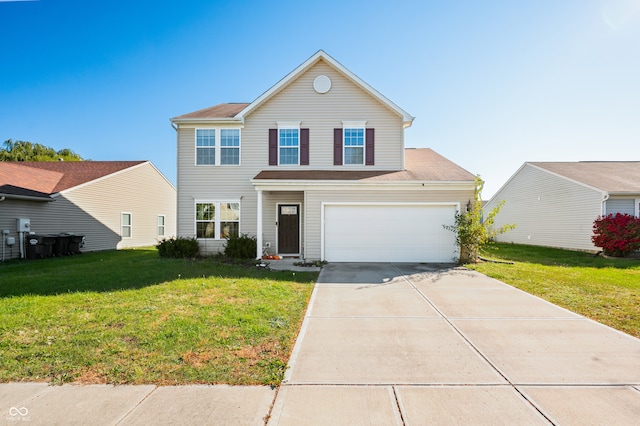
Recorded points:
(474,229)
(27,151)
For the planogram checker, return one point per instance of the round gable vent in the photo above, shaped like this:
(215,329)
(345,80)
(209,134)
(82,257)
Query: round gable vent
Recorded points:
(322,84)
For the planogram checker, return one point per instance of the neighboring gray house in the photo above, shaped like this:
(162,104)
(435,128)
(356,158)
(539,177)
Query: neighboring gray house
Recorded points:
(554,204)
(114,204)
(316,167)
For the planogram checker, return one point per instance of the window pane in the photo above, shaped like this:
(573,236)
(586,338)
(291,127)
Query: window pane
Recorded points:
(353,137)
(353,155)
(230,156)
(205,230)
(160,220)
(206,137)
(288,137)
(229,211)
(229,229)
(205,156)
(288,155)
(126,232)
(126,219)
(229,137)
(205,211)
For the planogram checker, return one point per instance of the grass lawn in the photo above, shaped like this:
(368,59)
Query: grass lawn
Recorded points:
(606,290)
(132,317)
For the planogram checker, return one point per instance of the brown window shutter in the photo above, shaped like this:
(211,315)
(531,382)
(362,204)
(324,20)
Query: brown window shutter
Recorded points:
(337,147)
(273,147)
(304,147)
(370,147)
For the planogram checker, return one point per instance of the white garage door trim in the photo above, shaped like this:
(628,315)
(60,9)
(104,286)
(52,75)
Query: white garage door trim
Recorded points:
(443,251)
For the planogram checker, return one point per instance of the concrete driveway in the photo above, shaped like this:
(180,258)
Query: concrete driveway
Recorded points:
(426,344)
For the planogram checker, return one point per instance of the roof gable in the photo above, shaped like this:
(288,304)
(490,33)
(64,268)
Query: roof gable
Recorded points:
(56,176)
(238,111)
(610,176)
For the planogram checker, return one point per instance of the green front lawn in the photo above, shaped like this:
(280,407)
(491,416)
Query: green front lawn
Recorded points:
(133,317)
(606,290)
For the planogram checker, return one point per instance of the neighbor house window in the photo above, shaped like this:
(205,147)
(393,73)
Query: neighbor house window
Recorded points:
(126,225)
(217,219)
(354,146)
(230,146)
(289,146)
(225,152)
(205,146)
(160,225)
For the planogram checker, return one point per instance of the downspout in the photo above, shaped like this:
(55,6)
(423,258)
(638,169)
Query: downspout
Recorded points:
(603,208)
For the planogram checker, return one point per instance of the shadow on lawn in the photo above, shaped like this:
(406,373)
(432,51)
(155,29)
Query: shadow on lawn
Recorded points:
(119,270)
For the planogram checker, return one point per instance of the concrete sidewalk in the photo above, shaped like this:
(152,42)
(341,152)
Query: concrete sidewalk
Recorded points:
(415,344)
(394,344)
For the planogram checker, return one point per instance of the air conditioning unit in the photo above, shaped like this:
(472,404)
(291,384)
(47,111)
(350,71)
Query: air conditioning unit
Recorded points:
(24,225)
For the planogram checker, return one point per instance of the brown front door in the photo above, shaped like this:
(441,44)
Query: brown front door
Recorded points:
(289,229)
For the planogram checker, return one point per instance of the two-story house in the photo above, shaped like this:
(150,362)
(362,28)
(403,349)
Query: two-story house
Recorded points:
(316,167)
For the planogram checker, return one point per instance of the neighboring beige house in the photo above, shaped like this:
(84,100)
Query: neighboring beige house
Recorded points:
(316,167)
(554,204)
(114,204)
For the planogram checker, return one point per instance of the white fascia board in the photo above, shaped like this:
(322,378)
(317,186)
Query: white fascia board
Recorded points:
(407,119)
(230,120)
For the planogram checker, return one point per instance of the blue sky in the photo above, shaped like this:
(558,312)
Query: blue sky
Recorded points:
(492,84)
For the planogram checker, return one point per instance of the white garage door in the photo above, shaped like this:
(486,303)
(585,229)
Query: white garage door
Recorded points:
(389,233)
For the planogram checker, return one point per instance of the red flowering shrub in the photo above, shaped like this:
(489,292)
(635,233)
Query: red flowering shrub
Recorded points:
(618,235)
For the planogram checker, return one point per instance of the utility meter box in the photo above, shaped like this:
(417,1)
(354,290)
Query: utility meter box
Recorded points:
(11,241)
(24,225)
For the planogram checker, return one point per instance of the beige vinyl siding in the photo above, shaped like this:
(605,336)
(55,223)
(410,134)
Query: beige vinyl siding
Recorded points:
(314,200)
(321,113)
(296,102)
(624,205)
(94,210)
(547,210)
(141,191)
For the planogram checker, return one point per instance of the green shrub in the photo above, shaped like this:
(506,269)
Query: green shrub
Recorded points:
(241,247)
(178,247)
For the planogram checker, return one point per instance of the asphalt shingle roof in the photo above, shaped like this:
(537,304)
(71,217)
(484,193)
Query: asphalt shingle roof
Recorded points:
(609,176)
(51,177)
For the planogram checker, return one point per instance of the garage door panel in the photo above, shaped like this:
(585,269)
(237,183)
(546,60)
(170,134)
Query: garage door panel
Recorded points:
(383,233)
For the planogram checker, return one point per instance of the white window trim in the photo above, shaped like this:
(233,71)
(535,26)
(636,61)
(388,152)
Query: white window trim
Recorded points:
(216,219)
(354,125)
(218,146)
(164,225)
(122,225)
(288,125)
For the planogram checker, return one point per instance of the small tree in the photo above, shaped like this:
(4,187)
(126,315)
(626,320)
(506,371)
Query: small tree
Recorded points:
(27,151)
(472,232)
(617,235)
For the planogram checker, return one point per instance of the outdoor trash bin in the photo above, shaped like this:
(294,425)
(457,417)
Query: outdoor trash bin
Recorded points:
(75,242)
(61,246)
(39,246)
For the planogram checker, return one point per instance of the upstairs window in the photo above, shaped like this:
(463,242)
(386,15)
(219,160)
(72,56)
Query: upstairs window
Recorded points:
(205,146)
(354,146)
(230,146)
(225,152)
(289,146)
